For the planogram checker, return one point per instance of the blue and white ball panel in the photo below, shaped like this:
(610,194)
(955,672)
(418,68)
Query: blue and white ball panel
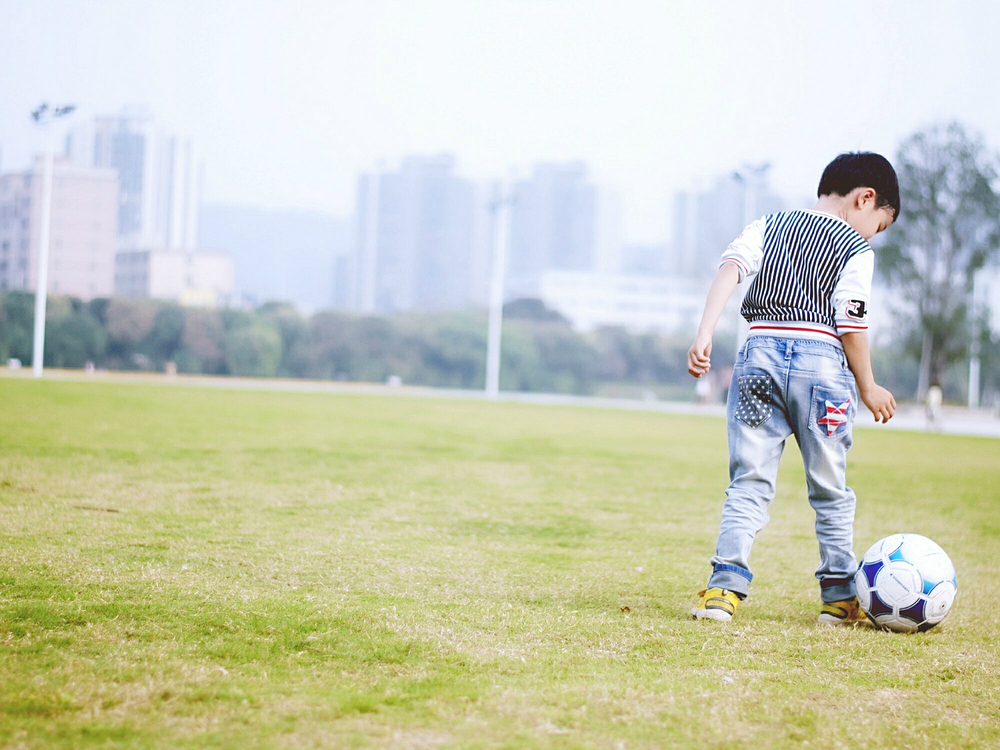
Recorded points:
(906,582)
(939,601)
(899,584)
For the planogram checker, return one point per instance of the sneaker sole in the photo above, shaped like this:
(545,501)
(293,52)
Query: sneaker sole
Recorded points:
(711,614)
(825,619)
(831,620)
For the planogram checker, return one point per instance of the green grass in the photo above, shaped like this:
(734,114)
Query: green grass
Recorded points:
(184,567)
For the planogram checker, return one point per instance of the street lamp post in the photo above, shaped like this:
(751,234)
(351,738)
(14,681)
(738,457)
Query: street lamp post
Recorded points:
(44,117)
(974,361)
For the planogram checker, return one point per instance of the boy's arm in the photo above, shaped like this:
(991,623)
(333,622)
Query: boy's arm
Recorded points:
(699,355)
(878,400)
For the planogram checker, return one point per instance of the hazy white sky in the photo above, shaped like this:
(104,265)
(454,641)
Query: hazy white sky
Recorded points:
(289,101)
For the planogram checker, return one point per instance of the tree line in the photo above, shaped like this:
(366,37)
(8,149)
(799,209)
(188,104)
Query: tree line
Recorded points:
(540,352)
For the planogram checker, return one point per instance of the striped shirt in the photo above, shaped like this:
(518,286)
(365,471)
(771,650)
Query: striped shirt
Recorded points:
(812,275)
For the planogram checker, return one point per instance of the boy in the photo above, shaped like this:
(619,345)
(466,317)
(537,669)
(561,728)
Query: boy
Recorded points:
(805,362)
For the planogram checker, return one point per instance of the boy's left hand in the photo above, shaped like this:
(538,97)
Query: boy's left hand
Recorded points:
(699,356)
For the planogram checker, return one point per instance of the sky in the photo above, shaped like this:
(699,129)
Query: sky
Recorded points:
(288,102)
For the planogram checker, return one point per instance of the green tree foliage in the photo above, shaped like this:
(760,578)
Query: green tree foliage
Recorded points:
(128,322)
(541,351)
(164,338)
(254,350)
(948,229)
(17,325)
(73,336)
(292,328)
(202,343)
(529,308)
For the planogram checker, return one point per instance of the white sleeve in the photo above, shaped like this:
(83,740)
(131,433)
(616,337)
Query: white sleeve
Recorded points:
(747,250)
(853,293)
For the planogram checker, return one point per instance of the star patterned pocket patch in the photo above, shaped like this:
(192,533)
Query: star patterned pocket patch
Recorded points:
(833,416)
(754,405)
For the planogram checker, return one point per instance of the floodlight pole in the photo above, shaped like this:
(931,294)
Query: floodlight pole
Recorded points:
(974,361)
(44,117)
(500,209)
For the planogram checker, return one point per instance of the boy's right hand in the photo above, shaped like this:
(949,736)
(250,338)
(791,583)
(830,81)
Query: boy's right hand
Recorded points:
(880,402)
(699,356)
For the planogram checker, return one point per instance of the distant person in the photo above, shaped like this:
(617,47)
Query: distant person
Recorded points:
(932,407)
(804,364)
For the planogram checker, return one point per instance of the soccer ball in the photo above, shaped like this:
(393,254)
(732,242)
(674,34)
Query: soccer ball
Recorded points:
(906,582)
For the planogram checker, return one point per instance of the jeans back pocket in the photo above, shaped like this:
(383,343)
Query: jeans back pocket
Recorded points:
(755,402)
(831,411)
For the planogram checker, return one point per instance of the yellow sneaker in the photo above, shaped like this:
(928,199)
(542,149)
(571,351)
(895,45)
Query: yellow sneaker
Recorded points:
(844,612)
(716,604)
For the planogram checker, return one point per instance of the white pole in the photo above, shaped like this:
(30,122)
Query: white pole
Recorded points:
(974,363)
(974,382)
(500,210)
(41,287)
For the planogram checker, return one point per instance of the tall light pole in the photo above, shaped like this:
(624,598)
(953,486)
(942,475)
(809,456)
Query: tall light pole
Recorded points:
(500,209)
(44,117)
(974,362)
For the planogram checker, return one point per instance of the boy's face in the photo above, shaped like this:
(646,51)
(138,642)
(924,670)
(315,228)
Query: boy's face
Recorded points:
(867,218)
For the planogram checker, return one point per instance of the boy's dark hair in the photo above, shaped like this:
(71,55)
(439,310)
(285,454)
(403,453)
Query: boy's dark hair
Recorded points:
(862,169)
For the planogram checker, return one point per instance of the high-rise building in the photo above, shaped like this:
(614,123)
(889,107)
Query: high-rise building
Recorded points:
(420,239)
(195,279)
(159,178)
(553,226)
(82,229)
(706,221)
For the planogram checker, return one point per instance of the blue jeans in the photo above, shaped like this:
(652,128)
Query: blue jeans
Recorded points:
(785,387)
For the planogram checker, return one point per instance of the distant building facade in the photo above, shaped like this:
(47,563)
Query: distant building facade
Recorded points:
(300,257)
(159,178)
(553,226)
(189,278)
(82,229)
(637,302)
(421,240)
(706,221)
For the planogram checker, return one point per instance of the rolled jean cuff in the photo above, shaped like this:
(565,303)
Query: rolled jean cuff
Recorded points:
(837,589)
(732,578)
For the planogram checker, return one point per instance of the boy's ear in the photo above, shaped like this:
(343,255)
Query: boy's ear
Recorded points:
(865,195)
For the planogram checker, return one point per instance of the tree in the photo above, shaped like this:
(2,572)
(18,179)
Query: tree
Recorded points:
(202,343)
(948,229)
(74,338)
(293,330)
(253,350)
(530,308)
(17,326)
(164,338)
(127,322)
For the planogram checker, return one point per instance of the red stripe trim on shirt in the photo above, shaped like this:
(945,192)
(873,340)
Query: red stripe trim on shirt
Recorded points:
(738,262)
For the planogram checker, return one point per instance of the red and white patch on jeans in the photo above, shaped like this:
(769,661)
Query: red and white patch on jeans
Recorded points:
(836,415)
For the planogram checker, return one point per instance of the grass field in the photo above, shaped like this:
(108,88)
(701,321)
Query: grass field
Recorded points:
(185,567)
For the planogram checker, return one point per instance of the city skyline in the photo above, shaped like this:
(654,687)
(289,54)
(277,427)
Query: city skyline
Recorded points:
(289,108)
